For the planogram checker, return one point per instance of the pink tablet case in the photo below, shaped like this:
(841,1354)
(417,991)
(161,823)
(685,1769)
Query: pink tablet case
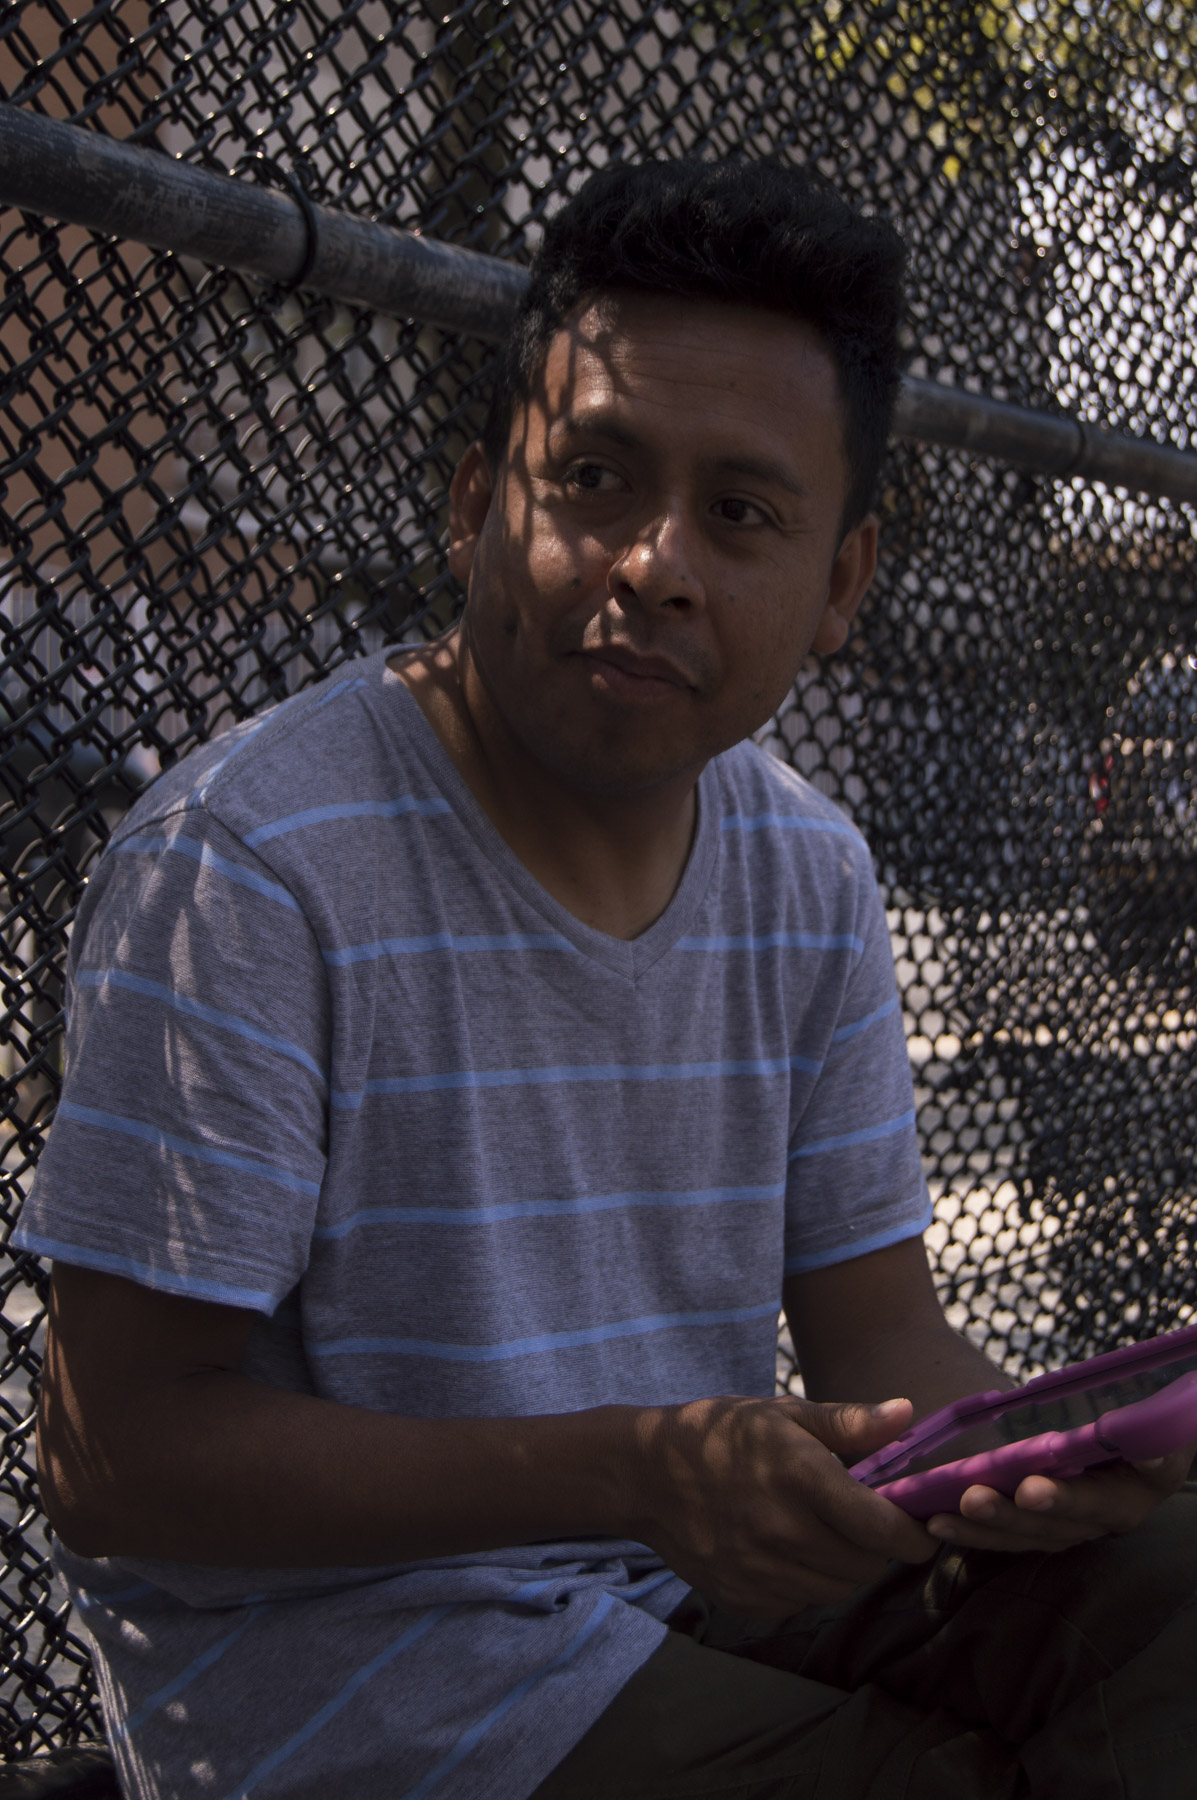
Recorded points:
(1151,1426)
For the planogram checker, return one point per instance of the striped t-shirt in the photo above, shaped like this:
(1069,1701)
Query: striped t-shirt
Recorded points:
(335,1056)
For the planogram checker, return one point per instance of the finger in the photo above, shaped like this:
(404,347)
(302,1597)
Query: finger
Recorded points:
(1168,1472)
(966,1534)
(1132,1489)
(1112,1499)
(866,1519)
(990,1521)
(1046,1514)
(1049,1512)
(851,1428)
(841,1503)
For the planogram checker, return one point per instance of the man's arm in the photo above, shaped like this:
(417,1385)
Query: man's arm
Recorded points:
(874,1327)
(153,1444)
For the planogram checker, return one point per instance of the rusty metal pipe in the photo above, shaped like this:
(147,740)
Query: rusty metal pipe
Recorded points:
(64,172)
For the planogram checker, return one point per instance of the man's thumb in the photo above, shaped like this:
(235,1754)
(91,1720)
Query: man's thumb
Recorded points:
(852,1428)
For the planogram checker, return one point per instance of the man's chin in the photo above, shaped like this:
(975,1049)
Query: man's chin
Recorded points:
(620,773)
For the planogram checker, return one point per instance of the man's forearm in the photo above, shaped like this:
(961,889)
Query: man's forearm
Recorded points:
(152,1443)
(220,1469)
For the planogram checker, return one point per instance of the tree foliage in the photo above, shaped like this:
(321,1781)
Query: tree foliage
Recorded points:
(1113,79)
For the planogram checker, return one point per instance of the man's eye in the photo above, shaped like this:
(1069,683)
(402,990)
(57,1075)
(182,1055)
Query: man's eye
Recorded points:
(739,512)
(592,478)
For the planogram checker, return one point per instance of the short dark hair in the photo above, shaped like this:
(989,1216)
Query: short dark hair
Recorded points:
(760,232)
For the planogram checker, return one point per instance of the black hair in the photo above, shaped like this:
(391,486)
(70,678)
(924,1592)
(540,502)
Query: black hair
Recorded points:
(760,232)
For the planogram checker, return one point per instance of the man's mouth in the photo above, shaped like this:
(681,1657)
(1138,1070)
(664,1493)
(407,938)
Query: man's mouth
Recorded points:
(628,675)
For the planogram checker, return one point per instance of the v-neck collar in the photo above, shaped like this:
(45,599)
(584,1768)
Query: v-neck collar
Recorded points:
(630,958)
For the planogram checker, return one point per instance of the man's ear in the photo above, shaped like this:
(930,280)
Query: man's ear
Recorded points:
(851,572)
(470,493)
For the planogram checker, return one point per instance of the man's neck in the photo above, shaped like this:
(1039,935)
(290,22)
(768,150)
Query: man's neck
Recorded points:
(614,862)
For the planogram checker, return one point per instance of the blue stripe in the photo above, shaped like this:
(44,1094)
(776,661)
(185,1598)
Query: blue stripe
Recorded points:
(506,1078)
(881,1240)
(787,822)
(340,1700)
(347,809)
(850,1031)
(776,940)
(203,853)
(165,1281)
(446,940)
(868,1134)
(536,1346)
(504,1210)
(343,687)
(165,1694)
(469,1739)
(165,1140)
(196,1009)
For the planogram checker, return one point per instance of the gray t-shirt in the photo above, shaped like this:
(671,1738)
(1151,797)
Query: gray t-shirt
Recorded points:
(335,1056)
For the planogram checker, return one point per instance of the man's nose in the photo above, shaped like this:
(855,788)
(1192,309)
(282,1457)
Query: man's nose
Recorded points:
(661,566)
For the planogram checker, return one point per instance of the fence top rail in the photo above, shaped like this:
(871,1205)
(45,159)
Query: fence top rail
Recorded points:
(81,177)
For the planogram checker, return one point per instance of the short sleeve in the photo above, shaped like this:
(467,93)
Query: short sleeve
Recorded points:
(188,1149)
(855,1180)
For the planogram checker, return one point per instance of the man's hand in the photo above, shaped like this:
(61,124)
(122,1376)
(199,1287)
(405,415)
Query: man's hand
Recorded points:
(747,1501)
(1046,1514)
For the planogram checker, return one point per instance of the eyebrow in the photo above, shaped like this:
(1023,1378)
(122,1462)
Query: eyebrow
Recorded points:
(570,426)
(756,468)
(761,468)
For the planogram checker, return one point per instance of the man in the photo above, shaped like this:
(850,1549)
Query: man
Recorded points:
(466,1060)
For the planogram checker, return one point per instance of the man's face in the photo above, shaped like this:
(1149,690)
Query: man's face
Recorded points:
(661,546)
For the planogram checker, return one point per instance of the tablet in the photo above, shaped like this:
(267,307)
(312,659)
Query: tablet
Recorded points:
(1128,1405)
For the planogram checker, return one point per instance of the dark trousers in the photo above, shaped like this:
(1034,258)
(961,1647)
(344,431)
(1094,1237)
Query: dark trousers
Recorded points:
(975,1677)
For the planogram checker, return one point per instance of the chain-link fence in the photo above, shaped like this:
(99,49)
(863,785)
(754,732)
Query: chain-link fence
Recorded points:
(213,490)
